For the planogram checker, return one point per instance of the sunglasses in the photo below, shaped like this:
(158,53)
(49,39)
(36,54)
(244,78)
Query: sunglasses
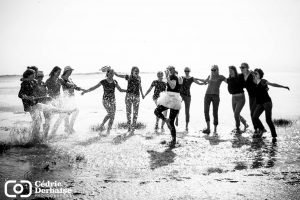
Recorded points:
(186,71)
(213,70)
(242,67)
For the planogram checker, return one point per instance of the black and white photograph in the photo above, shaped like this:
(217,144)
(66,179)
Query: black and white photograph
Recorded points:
(149,99)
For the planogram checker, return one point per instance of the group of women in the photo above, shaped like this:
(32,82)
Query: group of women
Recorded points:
(167,96)
(44,98)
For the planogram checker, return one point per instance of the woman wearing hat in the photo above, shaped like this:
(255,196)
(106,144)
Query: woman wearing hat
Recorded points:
(132,99)
(170,100)
(69,88)
(109,99)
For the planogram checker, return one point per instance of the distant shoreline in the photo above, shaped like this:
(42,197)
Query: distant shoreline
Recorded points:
(89,73)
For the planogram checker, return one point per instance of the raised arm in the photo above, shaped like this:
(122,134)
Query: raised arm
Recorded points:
(91,89)
(172,83)
(119,75)
(277,85)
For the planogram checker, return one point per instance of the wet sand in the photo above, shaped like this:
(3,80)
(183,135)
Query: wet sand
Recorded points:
(141,166)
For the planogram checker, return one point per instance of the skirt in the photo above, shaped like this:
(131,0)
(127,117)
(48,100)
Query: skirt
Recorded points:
(170,100)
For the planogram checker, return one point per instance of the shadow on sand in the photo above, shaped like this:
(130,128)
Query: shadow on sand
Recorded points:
(265,153)
(160,159)
(214,139)
(122,138)
(90,140)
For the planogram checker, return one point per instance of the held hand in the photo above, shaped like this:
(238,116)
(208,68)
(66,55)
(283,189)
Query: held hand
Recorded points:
(84,91)
(167,73)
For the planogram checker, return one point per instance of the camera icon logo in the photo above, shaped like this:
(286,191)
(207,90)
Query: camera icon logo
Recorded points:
(18,188)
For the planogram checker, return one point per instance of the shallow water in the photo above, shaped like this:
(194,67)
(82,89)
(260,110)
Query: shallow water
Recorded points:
(141,166)
(130,167)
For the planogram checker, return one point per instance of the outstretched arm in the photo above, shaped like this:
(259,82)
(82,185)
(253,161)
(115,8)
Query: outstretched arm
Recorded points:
(197,82)
(91,89)
(202,80)
(277,85)
(149,90)
(119,75)
(119,88)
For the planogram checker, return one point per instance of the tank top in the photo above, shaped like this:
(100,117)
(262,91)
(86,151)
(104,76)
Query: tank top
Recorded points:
(261,93)
(177,87)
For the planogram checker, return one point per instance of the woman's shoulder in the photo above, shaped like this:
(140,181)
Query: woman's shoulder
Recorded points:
(221,77)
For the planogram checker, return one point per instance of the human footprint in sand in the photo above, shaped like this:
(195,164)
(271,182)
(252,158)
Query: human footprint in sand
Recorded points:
(109,99)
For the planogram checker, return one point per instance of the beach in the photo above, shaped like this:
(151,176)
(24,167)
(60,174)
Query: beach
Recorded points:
(141,166)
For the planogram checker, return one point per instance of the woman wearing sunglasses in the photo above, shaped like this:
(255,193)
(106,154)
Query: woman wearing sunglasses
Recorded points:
(264,103)
(249,84)
(132,99)
(212,95)
(185,94)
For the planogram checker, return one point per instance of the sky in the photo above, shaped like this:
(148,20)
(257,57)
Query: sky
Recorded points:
(150,34)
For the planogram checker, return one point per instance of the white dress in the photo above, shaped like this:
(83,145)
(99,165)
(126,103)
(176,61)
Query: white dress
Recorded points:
(170,100)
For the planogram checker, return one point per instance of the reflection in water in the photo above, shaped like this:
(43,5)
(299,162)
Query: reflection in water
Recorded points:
(34,164)
(238,141)
(160,159)
(262,151)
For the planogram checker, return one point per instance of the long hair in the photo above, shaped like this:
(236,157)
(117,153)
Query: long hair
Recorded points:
(134,68)
(234,70)
(217,70)
(108,71)
(54,70)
